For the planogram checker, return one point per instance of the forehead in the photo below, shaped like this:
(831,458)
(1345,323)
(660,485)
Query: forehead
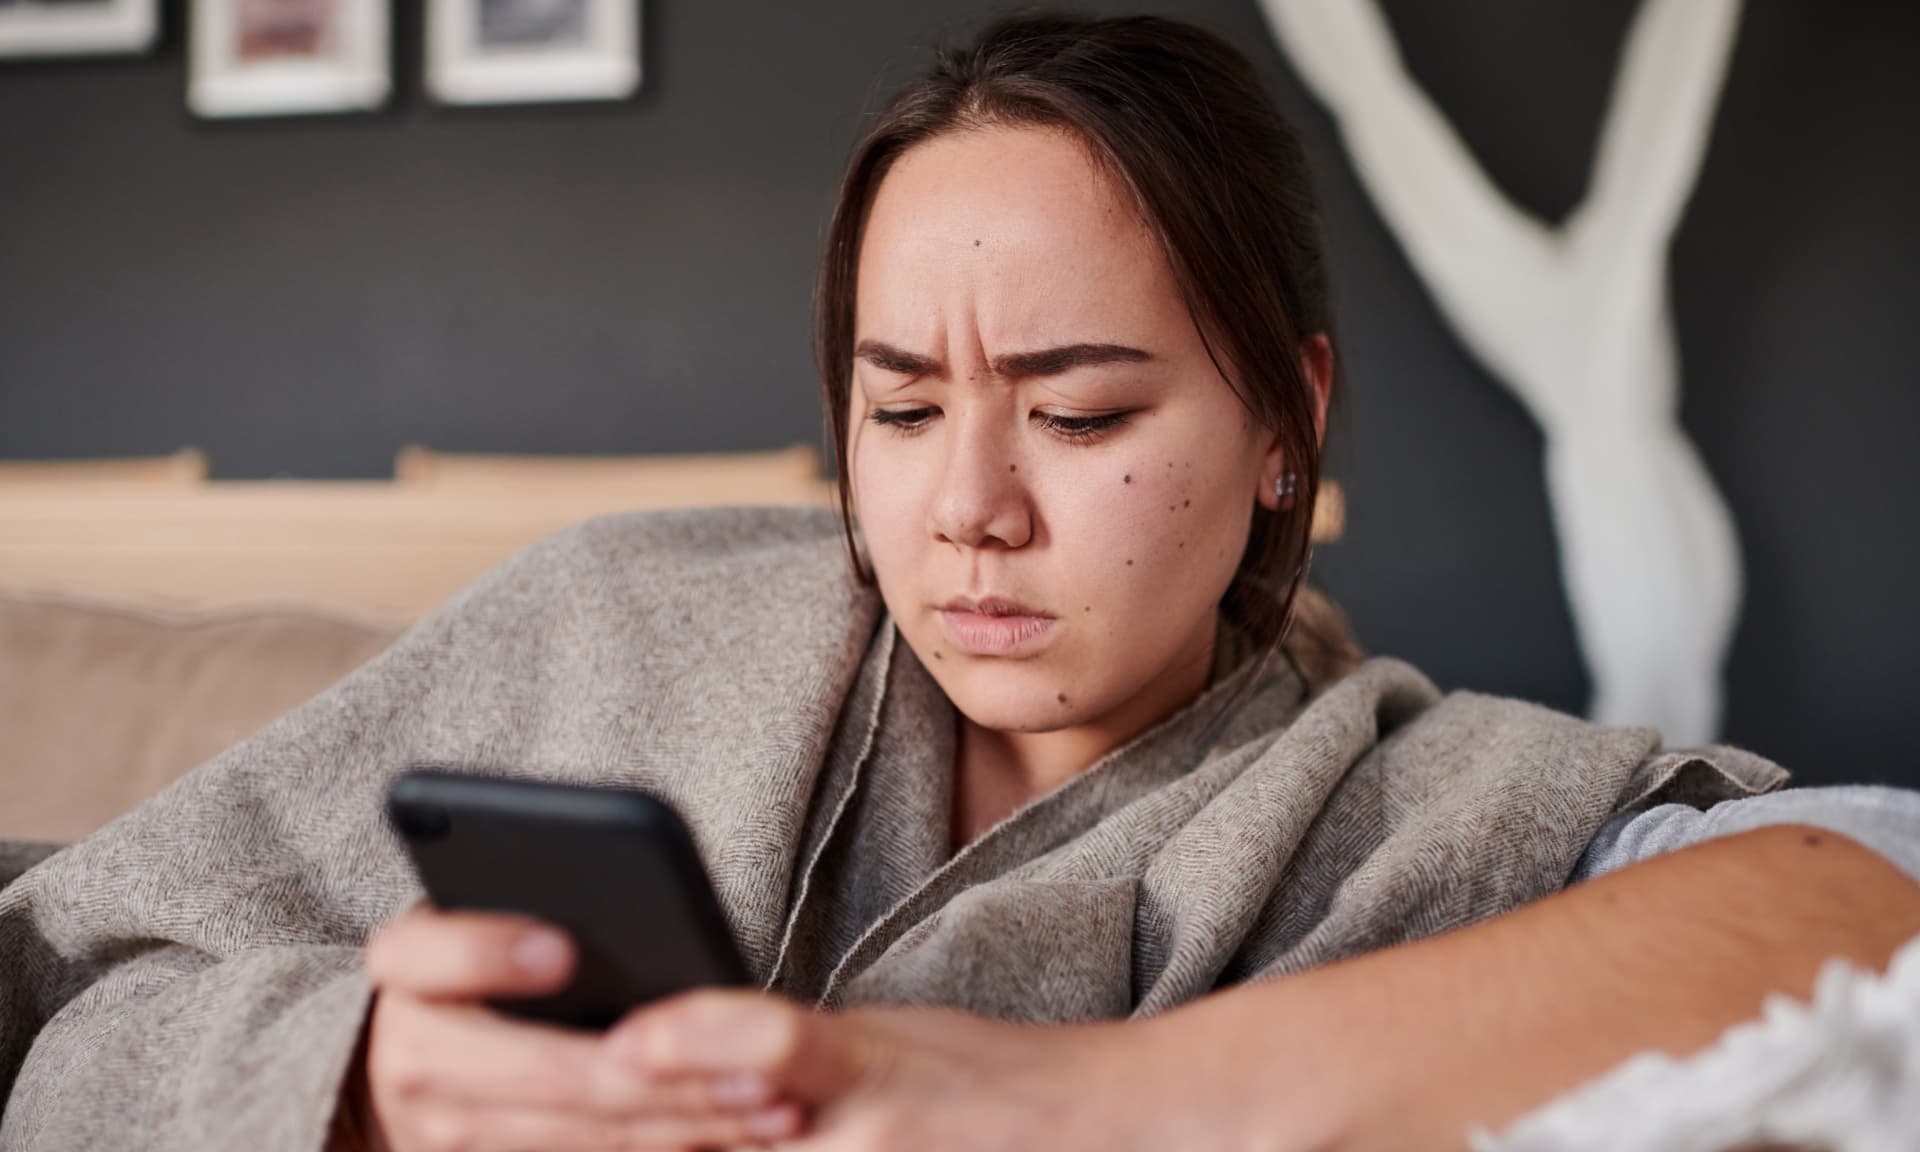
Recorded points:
(1017,229)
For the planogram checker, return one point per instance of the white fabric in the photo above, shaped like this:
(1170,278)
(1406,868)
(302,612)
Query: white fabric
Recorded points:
(1887,820)
(1841,1074)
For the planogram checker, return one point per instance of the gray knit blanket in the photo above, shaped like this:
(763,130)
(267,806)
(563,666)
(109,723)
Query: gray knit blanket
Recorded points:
(188,978)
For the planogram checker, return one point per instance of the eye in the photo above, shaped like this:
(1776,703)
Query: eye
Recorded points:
(903,421)
(1080,427)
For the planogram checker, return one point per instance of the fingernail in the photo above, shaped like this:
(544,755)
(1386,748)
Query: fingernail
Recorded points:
(773,1123)
(740,1090)
(540,952)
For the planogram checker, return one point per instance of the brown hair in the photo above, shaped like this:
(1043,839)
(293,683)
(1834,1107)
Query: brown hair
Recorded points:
(1179,118)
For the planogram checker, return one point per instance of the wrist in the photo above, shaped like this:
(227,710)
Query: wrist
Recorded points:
(1229,1087)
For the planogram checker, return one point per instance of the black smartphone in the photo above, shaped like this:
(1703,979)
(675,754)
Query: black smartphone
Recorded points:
(615,868)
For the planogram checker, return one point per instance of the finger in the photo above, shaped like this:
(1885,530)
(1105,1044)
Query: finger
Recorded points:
(463,1055)
(498,1129)
(468,955)
(755,1046)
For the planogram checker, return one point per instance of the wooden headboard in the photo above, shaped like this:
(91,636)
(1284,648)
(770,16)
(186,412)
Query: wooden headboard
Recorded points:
(385,549)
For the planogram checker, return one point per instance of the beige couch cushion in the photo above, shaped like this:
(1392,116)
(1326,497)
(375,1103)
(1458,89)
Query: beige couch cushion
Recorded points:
(104,704)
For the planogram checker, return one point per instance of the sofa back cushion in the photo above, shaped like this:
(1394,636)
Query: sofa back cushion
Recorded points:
(103,704)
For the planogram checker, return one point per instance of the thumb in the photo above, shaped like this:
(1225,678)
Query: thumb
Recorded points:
(436,955)
(752,1041)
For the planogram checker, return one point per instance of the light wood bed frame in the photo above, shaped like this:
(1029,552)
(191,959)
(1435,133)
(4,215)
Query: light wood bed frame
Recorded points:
(384,549)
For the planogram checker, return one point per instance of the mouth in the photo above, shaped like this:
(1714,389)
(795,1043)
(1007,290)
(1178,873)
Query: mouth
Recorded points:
(994,626)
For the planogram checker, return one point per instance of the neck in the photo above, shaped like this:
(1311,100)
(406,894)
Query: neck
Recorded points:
(997,772)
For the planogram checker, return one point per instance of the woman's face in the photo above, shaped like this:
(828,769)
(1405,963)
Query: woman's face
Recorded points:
(1053,479)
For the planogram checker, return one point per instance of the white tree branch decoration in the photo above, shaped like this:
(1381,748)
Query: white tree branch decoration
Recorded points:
(1575,321)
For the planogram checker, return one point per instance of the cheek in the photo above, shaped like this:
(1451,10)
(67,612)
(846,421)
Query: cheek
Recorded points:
(1160,538)
(886,498)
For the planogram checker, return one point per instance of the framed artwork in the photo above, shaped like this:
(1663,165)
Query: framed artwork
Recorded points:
(77,27)
(283,57)
(524,51)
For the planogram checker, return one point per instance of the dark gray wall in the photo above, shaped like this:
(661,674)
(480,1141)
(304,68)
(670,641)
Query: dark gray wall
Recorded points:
(303,296)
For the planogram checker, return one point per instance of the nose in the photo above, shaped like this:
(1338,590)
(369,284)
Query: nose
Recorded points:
(982,501)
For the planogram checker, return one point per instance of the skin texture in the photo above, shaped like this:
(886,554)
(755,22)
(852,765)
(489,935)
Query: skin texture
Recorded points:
(982,248)
(977,495)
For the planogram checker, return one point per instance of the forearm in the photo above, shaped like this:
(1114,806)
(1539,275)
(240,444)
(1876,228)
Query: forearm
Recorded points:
(1413,1046)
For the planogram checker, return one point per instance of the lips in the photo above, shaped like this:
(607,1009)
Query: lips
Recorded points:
(994,626)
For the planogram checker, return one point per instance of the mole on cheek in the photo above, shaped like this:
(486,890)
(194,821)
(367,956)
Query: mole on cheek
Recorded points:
(936,654)
(1129,563)
(1062,697)
(1013,467)
(1127,479)
(976,243)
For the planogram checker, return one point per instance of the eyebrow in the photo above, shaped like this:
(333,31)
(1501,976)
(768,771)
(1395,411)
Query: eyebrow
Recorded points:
(1019,365)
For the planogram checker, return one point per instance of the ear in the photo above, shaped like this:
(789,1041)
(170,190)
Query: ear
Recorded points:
(1316,366)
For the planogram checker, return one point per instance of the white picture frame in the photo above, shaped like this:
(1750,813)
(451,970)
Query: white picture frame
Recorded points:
(96,28)
(289,57)
(532,51)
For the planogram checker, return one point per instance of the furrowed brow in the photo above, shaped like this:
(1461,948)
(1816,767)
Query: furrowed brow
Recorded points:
(887,358)
(1054,361)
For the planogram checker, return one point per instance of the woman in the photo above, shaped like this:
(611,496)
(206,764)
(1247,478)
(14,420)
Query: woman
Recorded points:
(1058,767)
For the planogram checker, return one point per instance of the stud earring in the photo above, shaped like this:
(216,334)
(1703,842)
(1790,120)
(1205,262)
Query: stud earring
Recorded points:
(1283,488)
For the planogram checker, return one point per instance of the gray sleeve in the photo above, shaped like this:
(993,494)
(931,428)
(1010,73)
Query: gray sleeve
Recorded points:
(1887,820)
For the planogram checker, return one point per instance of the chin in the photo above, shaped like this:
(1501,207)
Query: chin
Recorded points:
(1010,697)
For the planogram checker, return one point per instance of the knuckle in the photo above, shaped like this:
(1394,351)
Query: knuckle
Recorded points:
(669,1030)
(407,1078)
(381,951)
(443,1130)
(470,958)
(786,1036)
(399,1067)
(391,953)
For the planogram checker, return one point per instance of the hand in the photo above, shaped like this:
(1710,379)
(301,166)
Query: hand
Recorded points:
(927,1079)
(443,1071)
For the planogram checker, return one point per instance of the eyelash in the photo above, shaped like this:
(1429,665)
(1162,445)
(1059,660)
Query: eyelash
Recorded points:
(1071,428)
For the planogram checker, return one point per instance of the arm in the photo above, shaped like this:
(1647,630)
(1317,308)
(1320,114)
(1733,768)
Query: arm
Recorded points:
(1415,1045)
(1410,1047)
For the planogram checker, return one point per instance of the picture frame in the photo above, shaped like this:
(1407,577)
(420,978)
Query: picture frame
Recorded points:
(289,57)
(531,51)
(78,27)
